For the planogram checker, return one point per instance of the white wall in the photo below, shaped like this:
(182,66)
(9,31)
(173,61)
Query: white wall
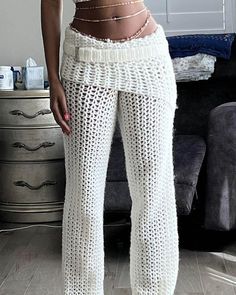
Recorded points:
(20,31)
(20,27)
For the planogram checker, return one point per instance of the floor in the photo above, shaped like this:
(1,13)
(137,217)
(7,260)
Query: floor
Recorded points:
(31,261)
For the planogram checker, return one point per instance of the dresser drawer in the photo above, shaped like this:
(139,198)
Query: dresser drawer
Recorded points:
(31,144)
(32,182)
(26,112)
(31,213)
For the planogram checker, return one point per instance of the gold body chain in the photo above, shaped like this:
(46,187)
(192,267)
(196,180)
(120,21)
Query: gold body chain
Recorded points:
(110,5)
(138,33)
(113,18)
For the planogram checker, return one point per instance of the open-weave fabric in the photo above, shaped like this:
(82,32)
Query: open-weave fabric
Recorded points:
(146,124)
(146,75)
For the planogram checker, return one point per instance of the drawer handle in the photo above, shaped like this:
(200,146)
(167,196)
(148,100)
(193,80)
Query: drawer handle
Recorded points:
(41,112)
(45,183)
(43,144)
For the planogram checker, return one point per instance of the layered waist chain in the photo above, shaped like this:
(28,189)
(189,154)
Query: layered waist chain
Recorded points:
(137,34)
(113,18)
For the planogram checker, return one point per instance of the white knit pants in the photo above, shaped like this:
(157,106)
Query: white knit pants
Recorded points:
(146,125)
(134,82)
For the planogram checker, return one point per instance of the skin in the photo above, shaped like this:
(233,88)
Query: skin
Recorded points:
(114,29)
(51,19)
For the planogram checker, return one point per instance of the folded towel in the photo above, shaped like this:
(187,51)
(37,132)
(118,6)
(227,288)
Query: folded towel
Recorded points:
(193,68)
(218,45)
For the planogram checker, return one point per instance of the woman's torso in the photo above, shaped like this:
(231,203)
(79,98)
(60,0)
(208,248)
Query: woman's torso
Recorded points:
(113,29)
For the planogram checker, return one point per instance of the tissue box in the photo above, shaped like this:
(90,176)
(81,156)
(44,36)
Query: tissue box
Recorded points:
(33,77)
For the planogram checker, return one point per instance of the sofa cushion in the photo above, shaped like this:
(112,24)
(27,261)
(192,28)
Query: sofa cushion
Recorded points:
(188,153)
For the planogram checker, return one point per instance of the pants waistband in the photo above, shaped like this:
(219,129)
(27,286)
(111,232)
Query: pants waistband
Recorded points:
(87,49)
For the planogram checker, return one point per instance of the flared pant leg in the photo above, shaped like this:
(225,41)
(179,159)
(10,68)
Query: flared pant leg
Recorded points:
(87,148)
(146,125)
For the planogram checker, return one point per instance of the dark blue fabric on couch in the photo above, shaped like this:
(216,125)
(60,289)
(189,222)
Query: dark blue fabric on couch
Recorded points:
(218,45)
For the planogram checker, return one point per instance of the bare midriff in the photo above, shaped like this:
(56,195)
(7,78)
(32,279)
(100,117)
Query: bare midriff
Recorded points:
(115,29)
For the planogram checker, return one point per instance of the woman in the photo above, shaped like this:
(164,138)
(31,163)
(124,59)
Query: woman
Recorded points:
(115,62)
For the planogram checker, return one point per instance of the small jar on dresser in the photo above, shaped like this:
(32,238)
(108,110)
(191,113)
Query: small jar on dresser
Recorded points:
(32,171)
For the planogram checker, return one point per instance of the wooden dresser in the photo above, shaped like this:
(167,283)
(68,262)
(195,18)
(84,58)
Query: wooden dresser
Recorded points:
(32,171)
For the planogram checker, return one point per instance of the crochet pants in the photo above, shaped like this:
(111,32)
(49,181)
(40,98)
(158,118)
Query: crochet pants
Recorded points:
(146,125)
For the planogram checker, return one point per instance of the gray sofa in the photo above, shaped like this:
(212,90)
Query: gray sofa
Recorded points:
(220,201)
(196,100)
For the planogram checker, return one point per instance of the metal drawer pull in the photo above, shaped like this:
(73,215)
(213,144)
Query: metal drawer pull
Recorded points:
(22,145)
(23,183)
(41,112)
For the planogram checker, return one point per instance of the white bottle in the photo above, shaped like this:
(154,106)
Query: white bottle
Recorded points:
(6,78)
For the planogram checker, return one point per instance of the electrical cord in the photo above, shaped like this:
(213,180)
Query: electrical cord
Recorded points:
(24,227)
(55,226)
